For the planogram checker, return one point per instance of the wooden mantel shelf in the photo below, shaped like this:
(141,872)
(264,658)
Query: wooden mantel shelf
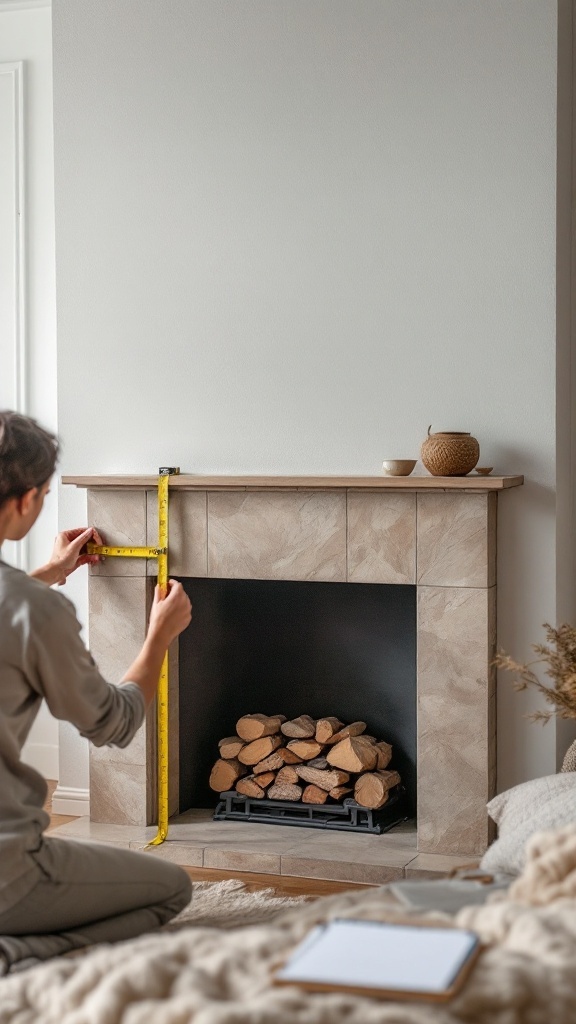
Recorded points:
(187,482)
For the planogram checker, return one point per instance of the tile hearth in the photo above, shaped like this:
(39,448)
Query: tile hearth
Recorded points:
(196,841)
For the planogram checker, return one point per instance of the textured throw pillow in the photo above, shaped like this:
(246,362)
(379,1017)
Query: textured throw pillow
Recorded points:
(533,806)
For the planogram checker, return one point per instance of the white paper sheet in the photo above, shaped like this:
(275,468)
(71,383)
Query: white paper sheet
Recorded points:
(370,954)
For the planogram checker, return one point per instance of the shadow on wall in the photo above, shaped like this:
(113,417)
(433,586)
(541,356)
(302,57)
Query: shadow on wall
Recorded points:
(526,598)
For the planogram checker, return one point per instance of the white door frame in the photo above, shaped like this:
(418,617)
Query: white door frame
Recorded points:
(16,355)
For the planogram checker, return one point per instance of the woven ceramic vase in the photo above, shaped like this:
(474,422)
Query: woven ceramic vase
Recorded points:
(450,453)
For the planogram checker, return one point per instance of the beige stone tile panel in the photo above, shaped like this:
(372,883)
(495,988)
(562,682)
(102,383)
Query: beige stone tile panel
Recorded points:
(98,832)
(433,865)
(120,517)
(454,735)
(456,540)
(192,816)
(356,846)
(249,847)
(117,793)
(118,622)
(372,859)
(236,848)
(339,870)
(99,842)
(277,536)
(134,753)
(185,854)
(191,826)
(187,532)
(402,837)
(232,859)
(381,537)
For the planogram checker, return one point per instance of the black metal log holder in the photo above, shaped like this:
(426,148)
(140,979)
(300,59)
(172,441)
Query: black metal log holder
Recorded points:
(345,817)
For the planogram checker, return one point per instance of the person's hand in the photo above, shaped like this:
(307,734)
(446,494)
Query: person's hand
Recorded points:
(69,552)
(170,614)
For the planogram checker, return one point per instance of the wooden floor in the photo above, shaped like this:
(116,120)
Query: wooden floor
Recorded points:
(283,885)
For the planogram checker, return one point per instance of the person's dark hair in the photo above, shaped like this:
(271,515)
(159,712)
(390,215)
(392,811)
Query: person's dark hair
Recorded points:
(28,455)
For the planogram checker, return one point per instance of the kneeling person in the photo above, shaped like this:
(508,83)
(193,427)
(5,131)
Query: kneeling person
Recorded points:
(57,895)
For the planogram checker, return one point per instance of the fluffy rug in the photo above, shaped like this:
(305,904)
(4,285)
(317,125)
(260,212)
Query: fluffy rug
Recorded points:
(207,975)
(230,904)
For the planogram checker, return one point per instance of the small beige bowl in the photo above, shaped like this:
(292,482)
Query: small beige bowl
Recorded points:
(484,470)
(398,467)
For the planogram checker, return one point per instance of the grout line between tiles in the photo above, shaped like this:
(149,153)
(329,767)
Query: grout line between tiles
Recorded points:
(207,537)
(206,521)
(347,540)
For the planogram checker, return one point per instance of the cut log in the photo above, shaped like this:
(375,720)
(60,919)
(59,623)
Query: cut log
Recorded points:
(318,762)
(354,729)
(305,749)
(322,779)
(290,757)
(314,795)
(265,779)
(339,792)
(352,755)
(269,764)
(254,727)
(285,791)
(326,728)
(371,790)
(391,778)
(299,728)
(256,751)
(230,747)
(224,775)
(249,787)
(287,774)
(384,754)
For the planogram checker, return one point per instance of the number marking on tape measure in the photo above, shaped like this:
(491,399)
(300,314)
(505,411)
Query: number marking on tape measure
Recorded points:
(106,549)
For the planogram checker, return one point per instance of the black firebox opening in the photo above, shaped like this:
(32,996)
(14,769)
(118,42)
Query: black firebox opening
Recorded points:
(294,648)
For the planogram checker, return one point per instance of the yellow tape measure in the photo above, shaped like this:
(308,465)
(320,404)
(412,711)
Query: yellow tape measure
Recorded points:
(105,549)
(161,554)
(162,693)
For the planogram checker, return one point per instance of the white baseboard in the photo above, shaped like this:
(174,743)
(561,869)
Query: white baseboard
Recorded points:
(68,800)
(43,757)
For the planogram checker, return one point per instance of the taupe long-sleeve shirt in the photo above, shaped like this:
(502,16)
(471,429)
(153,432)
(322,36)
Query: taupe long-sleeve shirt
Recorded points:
(43,656)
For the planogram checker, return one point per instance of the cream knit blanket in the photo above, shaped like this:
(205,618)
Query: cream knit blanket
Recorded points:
(209,976)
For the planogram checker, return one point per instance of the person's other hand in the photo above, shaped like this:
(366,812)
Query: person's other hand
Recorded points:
(70,551)
(170,614)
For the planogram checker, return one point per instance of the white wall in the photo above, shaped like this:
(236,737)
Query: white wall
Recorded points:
(26,35)
(299,231)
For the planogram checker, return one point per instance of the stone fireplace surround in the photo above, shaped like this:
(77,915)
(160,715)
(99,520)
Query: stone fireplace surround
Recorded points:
(436,533)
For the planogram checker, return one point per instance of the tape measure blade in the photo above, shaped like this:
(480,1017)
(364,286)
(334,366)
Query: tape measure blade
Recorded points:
(162,694)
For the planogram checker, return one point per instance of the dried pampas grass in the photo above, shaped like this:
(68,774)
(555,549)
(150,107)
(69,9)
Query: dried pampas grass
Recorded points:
(559,654)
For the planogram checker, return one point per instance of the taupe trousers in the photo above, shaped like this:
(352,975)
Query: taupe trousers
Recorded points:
(90,893)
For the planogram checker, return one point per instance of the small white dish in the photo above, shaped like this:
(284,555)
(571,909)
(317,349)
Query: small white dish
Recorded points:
(398,467)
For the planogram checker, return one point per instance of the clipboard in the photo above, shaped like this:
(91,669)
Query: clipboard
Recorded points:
(380,960)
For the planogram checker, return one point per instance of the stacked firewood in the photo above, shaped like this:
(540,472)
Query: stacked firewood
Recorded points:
(303,759)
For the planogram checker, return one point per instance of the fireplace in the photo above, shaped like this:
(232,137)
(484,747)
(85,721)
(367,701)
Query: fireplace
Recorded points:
(295,647)
(430,542)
